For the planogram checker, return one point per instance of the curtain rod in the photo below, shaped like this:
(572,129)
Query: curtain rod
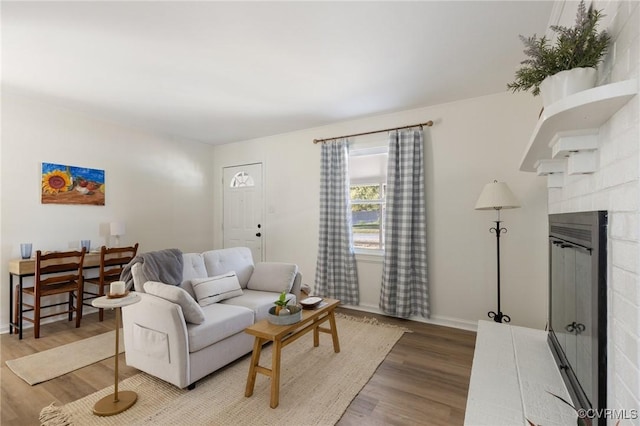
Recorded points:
(428,124)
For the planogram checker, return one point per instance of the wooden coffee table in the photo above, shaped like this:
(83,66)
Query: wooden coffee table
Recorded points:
(281,336)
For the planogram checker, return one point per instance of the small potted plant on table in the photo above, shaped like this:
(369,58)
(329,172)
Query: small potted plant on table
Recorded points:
(281,304)
(283,313)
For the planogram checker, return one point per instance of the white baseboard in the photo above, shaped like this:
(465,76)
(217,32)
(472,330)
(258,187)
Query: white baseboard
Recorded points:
(435,319)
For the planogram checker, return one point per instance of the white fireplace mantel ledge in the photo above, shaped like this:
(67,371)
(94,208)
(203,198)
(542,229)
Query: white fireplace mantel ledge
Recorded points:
(581,113)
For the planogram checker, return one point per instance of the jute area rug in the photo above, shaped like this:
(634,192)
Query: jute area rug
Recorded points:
(316,386)
(46,365)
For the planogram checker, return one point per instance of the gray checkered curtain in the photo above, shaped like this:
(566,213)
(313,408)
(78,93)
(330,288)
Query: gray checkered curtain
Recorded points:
(336,274)
(404,273)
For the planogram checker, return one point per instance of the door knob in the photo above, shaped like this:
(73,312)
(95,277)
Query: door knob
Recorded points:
(258,234)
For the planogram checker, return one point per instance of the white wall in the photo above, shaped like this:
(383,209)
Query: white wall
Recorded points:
(616,187)
(169,196)
(160,188)
(472,142)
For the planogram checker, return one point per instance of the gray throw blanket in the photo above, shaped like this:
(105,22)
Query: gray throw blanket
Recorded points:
(164,266)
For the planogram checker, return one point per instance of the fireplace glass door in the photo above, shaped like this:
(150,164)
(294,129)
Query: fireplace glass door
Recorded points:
(571,309)
(578,305)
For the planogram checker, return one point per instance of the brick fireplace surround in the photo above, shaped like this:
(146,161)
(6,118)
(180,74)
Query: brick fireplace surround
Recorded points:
(615,187)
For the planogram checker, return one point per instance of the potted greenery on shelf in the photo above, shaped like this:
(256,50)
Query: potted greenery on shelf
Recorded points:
(575,55)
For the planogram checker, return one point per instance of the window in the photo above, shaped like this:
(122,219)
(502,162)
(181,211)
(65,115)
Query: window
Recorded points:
(367,214)
(368,183)
(241,179)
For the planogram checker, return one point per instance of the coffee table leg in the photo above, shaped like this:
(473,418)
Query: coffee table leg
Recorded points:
(334,332)
(316,335)
(275,374)
(255,360)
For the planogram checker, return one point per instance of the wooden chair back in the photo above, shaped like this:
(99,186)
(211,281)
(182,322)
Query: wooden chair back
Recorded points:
(112,262)
(55,273)
(50,276)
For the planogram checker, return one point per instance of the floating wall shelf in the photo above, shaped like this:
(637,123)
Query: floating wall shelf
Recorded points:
(579,114)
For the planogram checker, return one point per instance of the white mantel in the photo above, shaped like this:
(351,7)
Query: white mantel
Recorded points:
(565,139)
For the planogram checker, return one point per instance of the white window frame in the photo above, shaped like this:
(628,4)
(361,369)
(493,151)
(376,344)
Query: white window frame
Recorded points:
(382,182)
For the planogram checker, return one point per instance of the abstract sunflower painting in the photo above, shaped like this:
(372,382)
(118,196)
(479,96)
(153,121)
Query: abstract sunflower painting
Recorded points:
(63,184)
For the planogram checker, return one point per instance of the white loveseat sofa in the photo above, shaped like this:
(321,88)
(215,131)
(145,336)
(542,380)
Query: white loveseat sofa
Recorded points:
(162,335)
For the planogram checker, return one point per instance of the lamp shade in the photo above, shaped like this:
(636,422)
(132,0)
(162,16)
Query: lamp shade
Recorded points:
(497,195)
(117,228)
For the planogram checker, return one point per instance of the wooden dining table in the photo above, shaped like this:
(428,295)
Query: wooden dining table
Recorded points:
(20,268)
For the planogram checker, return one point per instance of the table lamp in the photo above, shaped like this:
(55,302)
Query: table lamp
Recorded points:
(116,230)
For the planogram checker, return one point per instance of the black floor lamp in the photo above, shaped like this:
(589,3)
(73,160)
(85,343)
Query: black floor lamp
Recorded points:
(497,196)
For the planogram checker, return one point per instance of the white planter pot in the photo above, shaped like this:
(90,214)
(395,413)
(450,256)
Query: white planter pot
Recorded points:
(565,83)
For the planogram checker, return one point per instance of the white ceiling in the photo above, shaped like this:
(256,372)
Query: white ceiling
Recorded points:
(219,72)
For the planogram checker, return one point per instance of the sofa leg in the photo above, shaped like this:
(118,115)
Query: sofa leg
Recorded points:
(192,386)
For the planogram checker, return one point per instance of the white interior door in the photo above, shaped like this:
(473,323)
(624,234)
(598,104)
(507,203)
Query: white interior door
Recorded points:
(242,221)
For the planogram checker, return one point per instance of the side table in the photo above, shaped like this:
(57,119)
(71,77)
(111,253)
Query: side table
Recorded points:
(118,401)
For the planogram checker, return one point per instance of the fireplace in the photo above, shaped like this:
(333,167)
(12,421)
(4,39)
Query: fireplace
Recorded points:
(578,304)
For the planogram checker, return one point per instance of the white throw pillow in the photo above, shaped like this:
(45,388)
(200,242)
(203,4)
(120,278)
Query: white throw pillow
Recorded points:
(214,289)
(273,276)
(192,312)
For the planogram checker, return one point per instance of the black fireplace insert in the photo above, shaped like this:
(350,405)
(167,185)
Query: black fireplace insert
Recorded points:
(578,304)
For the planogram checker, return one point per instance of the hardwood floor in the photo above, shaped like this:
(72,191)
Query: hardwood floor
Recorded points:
(21,403)
(423,381)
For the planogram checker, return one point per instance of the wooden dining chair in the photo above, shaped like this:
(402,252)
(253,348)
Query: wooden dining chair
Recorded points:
(112,261)
(55,273)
